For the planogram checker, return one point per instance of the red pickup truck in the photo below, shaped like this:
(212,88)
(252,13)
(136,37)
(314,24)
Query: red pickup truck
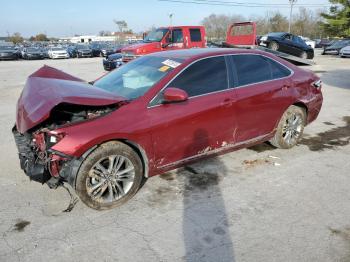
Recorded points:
(167,38)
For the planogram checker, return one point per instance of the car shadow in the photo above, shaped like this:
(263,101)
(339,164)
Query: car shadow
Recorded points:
(205,223)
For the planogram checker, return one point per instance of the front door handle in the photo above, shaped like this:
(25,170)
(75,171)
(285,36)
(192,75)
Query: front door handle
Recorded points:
(227,102)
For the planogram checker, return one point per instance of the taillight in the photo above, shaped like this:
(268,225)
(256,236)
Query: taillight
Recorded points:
(317,84)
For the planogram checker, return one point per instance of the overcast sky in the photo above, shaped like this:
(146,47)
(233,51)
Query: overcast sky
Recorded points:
(65,18)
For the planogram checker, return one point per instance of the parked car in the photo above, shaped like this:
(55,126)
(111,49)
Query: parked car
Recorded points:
(335,48)
(345,51)
(112,61)
(32,53)
(45,52)
(8,53)
(157,113)
(72,51)
(287,43)
(58,52)
(309,42)
(106,49)
(165,39)
(96,49)
(83,51)
(324,43)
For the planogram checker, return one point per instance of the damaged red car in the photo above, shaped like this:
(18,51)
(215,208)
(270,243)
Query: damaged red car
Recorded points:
(155,114)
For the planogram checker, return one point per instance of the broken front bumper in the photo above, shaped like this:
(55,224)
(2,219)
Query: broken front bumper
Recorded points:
(45,166)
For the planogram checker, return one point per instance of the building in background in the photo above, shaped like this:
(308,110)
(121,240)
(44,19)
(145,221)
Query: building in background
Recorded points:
(114,37)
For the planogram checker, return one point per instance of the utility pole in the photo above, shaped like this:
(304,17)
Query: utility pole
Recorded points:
(171,19)
(291,2)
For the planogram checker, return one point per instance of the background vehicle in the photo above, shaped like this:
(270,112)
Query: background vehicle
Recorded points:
(345,51)
(72,51)
(32,53)
(308,41)
(96,49)
(287,43)
(112,61)
(167,38)
(83,51)
(104,139)
(106,49)
(58,52)
(335,47)
(324,42)
(8,53)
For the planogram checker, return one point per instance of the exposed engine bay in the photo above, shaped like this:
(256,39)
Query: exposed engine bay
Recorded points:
(37,159)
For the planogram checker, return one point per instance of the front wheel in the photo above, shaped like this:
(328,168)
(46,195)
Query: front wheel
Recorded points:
(109,176)
(303,55)
(274,46)
(290,128)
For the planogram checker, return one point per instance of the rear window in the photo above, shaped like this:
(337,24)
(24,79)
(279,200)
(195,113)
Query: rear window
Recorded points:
(195,35)
(252,69)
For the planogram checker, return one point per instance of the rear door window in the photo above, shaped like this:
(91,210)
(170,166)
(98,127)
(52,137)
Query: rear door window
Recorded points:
(203,77)
(251,69)
(195,35)
(278,70)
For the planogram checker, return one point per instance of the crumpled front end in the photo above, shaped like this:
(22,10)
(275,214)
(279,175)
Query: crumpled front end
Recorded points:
(37,161)
(50,100)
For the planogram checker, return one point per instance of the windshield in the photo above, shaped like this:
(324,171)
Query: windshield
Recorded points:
(7,48)
(33,50)
(57,49)
(135,78)
(341,43)
(279,34)
(156,35)
(82,47)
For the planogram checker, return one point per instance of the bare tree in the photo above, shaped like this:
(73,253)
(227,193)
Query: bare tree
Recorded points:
(216,25)
(121,24)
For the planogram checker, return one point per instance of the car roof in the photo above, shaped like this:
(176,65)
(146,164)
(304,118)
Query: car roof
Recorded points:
(197,53)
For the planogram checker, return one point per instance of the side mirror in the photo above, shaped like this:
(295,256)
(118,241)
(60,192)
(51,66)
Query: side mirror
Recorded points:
(174,95)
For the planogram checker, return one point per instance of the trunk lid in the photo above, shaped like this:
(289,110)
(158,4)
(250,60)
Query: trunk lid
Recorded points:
(49,87)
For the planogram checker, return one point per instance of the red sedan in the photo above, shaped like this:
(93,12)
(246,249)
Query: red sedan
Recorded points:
(155,114)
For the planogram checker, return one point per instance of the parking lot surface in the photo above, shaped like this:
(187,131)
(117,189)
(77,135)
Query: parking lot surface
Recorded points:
(256,204)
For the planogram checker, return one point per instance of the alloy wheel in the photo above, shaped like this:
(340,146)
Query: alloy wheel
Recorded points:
(292,128)
(110,178)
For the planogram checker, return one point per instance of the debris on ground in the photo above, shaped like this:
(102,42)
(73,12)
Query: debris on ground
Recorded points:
(20,225)
(256,162)
(73,200)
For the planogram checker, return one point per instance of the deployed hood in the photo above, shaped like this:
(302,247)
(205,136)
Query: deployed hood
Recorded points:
(49,87)
(142,48)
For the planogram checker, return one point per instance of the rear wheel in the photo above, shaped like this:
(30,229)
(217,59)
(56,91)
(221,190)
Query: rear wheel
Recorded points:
(303,55)
(109,176)
(290,128)
(274,46)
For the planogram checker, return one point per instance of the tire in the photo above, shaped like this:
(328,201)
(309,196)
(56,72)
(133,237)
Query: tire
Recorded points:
(289,132)
(303,55)
(274,46)
(116,190)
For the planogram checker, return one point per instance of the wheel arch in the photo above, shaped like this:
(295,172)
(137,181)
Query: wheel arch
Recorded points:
(303,106)
(135,146)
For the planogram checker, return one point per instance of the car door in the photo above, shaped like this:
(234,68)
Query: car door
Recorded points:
(261,89)
(176,40)
(288,45)
(199,125)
